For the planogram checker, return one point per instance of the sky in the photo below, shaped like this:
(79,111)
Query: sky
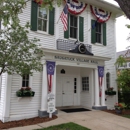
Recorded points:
(122,32)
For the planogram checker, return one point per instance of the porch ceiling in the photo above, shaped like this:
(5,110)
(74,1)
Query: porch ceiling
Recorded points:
(66,53)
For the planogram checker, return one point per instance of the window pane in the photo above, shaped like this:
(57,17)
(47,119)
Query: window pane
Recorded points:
(75,21)
(71,32)
(75,32)
(23,84)
(43,13)
(39,24)
(71,20)
(44,25)
(27,84)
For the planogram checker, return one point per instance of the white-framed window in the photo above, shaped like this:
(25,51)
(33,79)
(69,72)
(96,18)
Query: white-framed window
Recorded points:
(73,26)
(98,32)
(85,83)
(108,80)
(75,85)
(25,81)
(42,19)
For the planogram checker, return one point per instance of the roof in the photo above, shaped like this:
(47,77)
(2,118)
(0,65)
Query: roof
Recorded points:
(123,53)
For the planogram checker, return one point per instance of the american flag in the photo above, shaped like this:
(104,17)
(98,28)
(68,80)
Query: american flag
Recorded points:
(64,17)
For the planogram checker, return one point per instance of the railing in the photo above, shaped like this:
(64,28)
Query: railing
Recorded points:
(67,45)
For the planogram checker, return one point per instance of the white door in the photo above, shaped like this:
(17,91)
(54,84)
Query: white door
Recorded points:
(65,91)
(68,91)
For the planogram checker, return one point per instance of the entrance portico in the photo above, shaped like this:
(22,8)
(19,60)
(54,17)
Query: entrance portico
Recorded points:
(75,66)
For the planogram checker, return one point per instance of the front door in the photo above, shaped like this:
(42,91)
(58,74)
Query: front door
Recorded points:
(68,91)
(65,91)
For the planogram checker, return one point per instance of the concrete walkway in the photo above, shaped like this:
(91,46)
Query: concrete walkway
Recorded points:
(95,120)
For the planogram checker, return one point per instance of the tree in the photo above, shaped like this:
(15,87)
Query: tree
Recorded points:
(125,6)
(18,53)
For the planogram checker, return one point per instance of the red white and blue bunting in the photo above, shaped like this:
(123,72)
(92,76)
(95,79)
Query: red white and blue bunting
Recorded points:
(75,7)
(101,15)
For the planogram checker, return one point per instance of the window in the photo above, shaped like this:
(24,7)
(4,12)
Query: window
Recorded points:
(75,85)
(85,83)
(98,33)
(42,19)
(73,26)
(108,80)
(25,81)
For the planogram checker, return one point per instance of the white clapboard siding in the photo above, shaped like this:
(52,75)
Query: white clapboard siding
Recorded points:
(27,105)
(46,40)
(2,94)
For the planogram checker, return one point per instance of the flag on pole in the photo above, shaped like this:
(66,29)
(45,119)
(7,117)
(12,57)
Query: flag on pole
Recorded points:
(100,77)
(64,17)
(50,73)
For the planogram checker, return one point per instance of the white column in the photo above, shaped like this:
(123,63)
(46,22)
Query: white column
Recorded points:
(103,93)
(96,88)
(44,89)
(7,98)
(54,85)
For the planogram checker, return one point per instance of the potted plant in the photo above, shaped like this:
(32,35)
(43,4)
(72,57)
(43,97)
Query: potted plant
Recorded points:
(110,91)
(118,108)
(25,92)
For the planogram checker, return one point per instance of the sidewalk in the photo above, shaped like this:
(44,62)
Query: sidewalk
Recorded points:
(95,120)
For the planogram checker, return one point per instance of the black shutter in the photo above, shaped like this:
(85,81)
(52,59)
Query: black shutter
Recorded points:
(81,29)
(51,21)
(93,32)
(104,35)
(34,9)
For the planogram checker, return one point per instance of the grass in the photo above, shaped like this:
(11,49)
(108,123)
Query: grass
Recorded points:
(127,116)
(67,126)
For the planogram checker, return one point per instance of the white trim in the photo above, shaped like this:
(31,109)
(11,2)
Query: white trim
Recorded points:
(6,110)
(52,51)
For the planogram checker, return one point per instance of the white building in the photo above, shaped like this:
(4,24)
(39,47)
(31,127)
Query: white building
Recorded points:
(76,75)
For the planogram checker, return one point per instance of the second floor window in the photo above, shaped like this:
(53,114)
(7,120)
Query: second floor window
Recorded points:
(98,33)
(73,26)
(25,81)
(42,19)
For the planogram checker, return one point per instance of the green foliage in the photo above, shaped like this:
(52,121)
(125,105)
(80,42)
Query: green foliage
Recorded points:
(18,53)
(120,61)
(123,80)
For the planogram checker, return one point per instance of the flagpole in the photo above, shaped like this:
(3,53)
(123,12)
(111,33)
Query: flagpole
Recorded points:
(60,14)
(58,19)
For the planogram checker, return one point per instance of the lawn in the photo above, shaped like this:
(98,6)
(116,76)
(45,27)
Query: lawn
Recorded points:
(127,116)
(67,126)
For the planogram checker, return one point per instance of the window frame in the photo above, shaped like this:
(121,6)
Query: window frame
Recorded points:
(47,21)
(25,80)
(99,33)
(108,81)
(74,27)
(85,85)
